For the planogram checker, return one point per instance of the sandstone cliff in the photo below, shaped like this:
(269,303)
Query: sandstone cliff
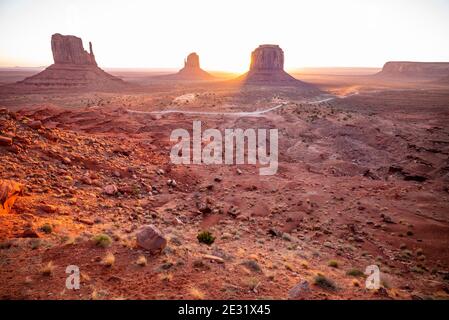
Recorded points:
(415,70)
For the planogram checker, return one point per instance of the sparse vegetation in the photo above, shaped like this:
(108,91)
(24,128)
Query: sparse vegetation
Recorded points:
(252,283)
(141,261)
(355,273)
(206,237)
(324,283)
(355,283)
(47,270)
(333,263)
(102,240)
(166,277)
(252,265)
(46,228)
(35,243)
(109,259)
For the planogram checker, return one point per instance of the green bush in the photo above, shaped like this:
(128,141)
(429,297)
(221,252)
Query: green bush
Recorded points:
(206,237)
(102,240)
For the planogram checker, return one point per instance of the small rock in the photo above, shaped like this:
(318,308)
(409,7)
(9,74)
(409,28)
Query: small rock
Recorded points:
(213,258)
(29,233)
(328,244)
(5,141)
(110,189)
(172,183)
(37,124)
(299,291)
(48,208)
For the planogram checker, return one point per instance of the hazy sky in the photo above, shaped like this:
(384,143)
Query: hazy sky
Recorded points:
(155,33)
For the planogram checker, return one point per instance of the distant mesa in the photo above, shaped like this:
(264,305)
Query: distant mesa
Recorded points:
(415,70)
(191,71)
(73,68)
(267,68)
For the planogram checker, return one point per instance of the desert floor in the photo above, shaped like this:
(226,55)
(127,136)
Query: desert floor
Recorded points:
(363,180)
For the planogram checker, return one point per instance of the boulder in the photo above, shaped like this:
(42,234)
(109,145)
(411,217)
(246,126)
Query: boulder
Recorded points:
(300,291)
(150,238)
(9,191)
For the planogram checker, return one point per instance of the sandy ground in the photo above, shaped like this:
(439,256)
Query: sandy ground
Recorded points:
(363,180)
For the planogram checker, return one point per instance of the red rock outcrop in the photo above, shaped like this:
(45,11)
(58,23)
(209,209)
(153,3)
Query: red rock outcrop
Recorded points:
(69,50)
(191,71)
(267,68)
(415,70)
(9,191)
(73,68)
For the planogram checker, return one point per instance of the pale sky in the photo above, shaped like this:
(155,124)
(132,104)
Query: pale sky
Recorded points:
(159,34)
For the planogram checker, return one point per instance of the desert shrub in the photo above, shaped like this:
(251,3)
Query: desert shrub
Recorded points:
(252,265)
(141,261)
(46,228)
(109,260)
(47,270)
(324,283)
(102,240)
(206,237)
(355,273)
(333,263)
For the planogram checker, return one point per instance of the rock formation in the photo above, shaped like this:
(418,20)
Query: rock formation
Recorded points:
(267,68)
(414,70)
(69,49)
(191,71)
(9,191)
(73,68)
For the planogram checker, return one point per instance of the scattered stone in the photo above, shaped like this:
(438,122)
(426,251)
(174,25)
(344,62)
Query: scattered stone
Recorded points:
(110,189)
(48,208)
(233,211)
(86,221)
(5,141)
(29,233)
(386,219)
(150,238)
(300,291)
(37,124)
(274,232)
(172,183)
(213,258)
(328,244)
